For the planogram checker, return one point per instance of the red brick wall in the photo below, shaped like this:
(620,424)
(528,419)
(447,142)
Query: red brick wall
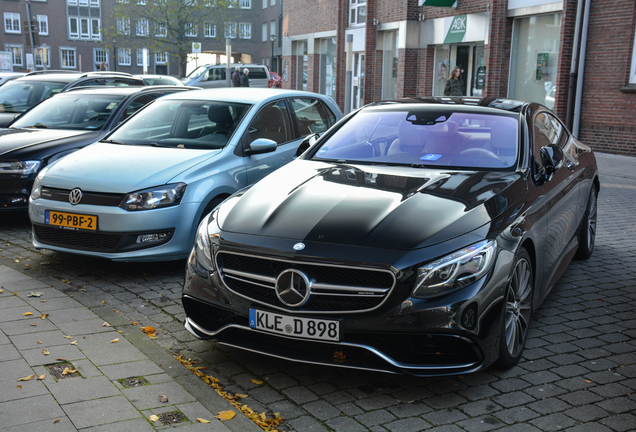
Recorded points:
(497,51)
(407,72)
(309,16)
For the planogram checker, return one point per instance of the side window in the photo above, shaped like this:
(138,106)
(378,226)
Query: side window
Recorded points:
(257,73)
(138,103)
(330,115)
(272,122)
(311,117)
(547,130)
(217,74)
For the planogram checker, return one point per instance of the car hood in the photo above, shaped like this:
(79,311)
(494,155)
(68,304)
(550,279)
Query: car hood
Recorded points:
(370,206)
(115,168)
(20,142)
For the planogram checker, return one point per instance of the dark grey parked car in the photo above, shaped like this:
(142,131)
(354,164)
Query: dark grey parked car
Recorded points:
(20,94)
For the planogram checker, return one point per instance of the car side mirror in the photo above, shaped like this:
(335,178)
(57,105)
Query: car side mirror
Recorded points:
(551,159)
(307,142)
(262,145)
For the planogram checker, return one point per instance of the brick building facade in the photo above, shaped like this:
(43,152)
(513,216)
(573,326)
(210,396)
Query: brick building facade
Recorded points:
(519,49)
(72,36)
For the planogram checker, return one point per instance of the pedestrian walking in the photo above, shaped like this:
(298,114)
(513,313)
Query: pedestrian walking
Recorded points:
(454,84)
(245,82)
(236,77)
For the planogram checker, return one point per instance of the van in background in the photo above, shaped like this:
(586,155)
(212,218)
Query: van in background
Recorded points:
(213,76)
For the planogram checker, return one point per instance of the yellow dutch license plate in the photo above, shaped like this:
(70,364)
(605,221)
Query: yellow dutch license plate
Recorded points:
(70,220)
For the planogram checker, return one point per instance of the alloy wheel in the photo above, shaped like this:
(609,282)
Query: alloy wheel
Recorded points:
(518,307)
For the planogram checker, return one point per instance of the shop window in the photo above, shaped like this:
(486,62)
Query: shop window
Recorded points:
(390,65)
(534,58)
(328,67)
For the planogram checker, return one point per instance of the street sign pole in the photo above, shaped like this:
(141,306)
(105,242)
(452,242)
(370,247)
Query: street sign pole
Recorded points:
(31,41)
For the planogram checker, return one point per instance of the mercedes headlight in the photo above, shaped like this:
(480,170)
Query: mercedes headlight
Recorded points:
(455,271)
(36,190)
(23,168)
(206,240)
(153,198)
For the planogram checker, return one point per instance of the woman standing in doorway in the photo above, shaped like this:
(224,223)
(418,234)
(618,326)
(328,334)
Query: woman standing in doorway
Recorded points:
(454,83)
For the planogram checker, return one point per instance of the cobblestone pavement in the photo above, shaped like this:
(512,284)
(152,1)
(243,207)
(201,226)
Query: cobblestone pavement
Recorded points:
(578,372)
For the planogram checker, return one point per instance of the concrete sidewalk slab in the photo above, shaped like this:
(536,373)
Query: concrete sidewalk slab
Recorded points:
(93,399)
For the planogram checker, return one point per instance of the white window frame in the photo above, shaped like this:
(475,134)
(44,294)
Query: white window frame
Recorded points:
(85,34)
(43,24)
(230,30)
(141,2)
(191,30)
(264,4)
(10,18)
(124,57)
(161,58)
(209,30)
(72,35)
(245,30)
(142,28)
(353,12)
(10,48)
(272,3)
(94,3)
(123,26)
(71,2)
(74,58)
(83,2)
(632,73)
(161,30)
(272,28)
(48,57)
(264,32)
(140,57)
(96,35)
(246,4)
(103,60)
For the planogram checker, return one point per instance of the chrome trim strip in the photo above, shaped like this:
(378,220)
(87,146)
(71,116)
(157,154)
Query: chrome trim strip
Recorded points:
(250,275)
(251,282)
(346,288)
(300,312)
(189,322)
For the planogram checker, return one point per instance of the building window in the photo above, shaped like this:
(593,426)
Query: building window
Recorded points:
(123,26)
(209,30)
(94,3)
(68,58)
(264,4)
(83,2)
(272,28)
(71,2)
(73,27)
(39,54)
(142,27)
(191,29)
(272,3)
(264,32)
(11,22)
(357,12)
(16,54)
(84,28)
(101,56)
(140,57)
(534,61)
(389,65)
(96,28)
(43,25)
(161,30)
(230,30)
(141,2)
(246,4)
(123,56)
(632,74)
(161,58)
(245,30)
(328,67)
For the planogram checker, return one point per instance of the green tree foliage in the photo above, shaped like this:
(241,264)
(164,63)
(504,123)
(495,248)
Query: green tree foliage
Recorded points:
(164,25)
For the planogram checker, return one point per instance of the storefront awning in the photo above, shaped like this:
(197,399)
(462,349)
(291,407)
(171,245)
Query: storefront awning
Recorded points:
(439,3)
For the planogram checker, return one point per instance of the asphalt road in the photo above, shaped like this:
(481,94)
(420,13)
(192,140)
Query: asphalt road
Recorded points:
(578,372)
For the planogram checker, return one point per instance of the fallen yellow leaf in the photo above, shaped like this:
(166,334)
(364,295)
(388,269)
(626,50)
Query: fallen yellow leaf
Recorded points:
(44,316)
(33,325)
(120,331)
(15,293)
(61,359)
(68,371)
(39,342)
(135,323)
(257,382)
(241,395)
(57,420)
(200,420)
(226,415)
(27,313)
(19,386)
(152,336)
(41,377)
(1,291)
(74,343)
(153,418)
(106,324)
(148,329)
(115,340)
(103,301)
(68,337)
(45,352)
(27,378)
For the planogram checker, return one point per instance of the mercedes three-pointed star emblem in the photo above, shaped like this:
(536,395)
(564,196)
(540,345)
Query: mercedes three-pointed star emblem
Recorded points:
(293,288)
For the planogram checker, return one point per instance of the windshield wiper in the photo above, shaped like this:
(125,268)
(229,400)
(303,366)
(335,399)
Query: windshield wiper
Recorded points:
(154,144)
(113,142)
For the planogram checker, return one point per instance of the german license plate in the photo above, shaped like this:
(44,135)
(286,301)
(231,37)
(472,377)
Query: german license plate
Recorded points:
(70,220)
(308,328)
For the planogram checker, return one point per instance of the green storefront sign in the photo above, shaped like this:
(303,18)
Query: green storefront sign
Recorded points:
(438,3)
(457,30)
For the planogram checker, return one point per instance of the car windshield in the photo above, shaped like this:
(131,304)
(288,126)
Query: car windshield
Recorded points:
(18,96)
(188,124)
(197,72)
(162,81)
(70,111)
(425,137)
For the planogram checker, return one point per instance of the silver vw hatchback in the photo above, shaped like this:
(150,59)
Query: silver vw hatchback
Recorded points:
(139,193)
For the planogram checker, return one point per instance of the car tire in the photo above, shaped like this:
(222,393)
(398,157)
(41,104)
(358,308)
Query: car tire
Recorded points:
(516,312)
(587,231)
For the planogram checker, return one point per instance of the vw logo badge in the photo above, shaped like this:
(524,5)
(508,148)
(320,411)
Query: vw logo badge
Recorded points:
(293,288)
(75,196)
(299,246)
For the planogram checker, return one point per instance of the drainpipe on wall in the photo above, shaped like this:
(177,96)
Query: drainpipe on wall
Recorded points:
(579,84)
(573,66)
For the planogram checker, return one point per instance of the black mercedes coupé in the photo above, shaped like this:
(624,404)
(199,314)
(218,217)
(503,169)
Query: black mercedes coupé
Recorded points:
(415,236)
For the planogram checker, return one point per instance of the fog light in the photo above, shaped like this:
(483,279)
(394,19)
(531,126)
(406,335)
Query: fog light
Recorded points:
(151,238)
(469,317)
